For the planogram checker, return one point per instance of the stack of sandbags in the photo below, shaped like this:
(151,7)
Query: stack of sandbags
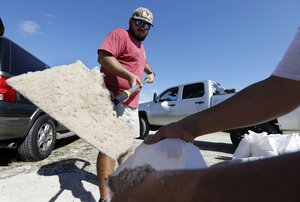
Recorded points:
(261,145)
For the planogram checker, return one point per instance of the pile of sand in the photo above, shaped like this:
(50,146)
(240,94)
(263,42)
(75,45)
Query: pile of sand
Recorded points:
(78,98)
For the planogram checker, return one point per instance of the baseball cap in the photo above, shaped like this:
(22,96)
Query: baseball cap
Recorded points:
(144,14)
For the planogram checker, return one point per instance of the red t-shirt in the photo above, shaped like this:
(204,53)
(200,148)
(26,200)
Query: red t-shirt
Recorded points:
(131,54)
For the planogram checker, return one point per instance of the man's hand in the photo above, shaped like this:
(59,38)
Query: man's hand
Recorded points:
(173,130)
(134,80)
(150,77)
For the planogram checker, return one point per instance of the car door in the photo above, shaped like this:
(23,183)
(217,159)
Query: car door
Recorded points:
(193,100)
(165,110)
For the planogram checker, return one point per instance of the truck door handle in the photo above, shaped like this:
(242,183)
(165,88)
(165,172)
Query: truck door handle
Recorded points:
(171,105)
(199,102)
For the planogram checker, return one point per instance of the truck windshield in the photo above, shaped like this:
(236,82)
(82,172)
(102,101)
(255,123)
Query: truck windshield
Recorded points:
(218,89)
(169,95)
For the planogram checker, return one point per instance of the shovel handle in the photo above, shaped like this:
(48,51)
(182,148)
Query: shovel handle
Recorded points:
(126,93)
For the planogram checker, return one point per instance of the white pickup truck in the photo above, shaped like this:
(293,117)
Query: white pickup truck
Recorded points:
(180,101)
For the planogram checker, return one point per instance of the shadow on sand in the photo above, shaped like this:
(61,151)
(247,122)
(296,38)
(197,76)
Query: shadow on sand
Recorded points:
(71,174)
(215,146)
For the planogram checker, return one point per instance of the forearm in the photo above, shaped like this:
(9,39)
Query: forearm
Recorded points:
(148,69)
(273,179)
(151,74)
(112,65)
(168,186)
(255,104)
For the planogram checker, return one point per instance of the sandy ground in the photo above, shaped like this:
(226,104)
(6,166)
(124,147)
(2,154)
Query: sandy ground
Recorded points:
(69,174)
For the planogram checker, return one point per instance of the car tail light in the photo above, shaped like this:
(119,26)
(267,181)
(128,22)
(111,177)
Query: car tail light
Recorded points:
(7,93)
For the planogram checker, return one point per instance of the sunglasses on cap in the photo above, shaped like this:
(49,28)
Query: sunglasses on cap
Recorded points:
(143,24)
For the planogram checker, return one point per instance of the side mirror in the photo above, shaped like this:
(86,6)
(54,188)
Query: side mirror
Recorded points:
(155,98)
(229,91)
(1,28)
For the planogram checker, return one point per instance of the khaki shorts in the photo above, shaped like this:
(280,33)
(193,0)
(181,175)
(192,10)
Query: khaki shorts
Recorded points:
(129,115)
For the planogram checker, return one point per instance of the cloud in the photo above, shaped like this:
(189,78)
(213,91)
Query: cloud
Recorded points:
(30,27)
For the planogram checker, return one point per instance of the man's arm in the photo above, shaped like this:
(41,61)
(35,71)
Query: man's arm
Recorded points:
(273,179)
(255,104)
(108,61)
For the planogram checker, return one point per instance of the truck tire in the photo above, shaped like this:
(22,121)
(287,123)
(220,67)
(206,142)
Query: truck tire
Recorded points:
(40,140)
(144,126)
(237,135)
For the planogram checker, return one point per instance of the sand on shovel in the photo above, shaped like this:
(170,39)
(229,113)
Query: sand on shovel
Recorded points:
(78,98)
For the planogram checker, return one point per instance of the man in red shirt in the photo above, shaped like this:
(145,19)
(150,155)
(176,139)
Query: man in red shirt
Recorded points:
(123,61)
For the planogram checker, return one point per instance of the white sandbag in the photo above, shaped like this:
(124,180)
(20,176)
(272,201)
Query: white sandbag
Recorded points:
(282,143)
(292,144)
(168,154)
(264,145)
(244,148)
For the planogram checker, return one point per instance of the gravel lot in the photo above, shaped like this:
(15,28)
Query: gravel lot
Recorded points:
(214,147)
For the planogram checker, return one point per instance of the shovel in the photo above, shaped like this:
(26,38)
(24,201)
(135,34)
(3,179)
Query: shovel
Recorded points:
(77,98)
(126,93)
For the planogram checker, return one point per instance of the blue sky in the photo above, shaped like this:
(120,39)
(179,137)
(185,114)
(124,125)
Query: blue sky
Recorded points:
(233,42)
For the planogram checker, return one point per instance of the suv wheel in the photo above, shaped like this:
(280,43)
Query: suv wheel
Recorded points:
(144,127)
(40,140)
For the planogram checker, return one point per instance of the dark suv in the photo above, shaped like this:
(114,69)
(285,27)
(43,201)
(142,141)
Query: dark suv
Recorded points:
(23,126)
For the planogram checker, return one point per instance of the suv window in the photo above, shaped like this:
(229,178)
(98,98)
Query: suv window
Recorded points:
(4,55)
(193,91)
(169,95)
(23,61)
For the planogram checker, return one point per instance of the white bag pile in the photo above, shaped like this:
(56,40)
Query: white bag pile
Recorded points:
(261,145)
